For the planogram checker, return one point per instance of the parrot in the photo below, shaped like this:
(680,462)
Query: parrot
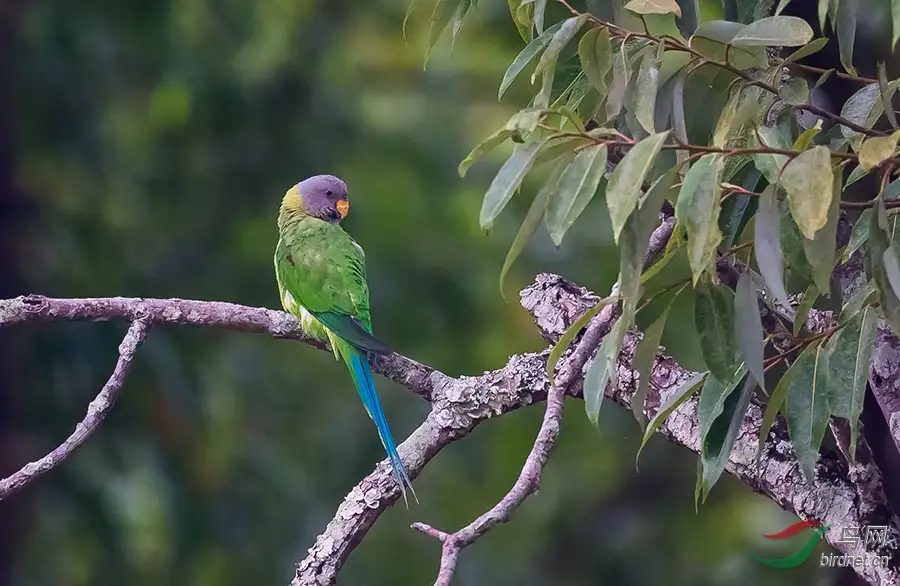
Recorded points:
(321,276)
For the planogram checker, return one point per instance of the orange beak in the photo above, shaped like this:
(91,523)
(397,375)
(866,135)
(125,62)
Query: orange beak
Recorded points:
(343,207)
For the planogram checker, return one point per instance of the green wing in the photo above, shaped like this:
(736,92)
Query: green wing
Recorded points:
(323,270)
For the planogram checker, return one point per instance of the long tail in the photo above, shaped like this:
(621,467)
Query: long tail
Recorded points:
(365,386)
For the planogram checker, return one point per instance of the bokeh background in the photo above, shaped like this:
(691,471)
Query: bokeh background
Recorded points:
(144,149)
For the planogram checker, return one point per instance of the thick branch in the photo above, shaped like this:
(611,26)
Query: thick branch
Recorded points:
(96,413)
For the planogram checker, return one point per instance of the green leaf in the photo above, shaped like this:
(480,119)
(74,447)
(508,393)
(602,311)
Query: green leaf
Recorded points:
(577,186)
(864,107)
(644,357)
(823,14)
(602,369)
(806,406)
(795,91)
(507,181)
(845,25)
(484,147)
(859,235)
(440,18)
(540,7)
(809,299)
(823,78)
(806,50)
(775,31)
(713,396)
(770,165)
(878,149)
(532,220)
(850,354)
(767,245)
(620,79)
(524,26)
(636,236)
(524,122)
(803,141)
(558,42)
(860,298)
(409,10)
(748,327)
(714,320)
(895,21)
(673,401)
(646,87)
(719,440)
(807,181)
(566,339)
(879,247)
(855,175)
(885,91)
(595,53)
(625,182)
(726,118)
(820,251)
(776,401)
(697,209)
(781,6)
(527,55)
(654,7)
(792,245)
(459,17)
(710,40)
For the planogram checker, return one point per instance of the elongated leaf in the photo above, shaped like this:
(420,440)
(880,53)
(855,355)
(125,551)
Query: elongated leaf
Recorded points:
(558,42)
(878,149)
(806,406)
(884,90)
(620,78)
(803,141)
(522,12)
(767,245)
(726,118)
(644,357)
(850,354)
(602,369)
(540,7)
(806,50)
(526,56)
(484,147)
(524,122)
(820,251)
(711,40)
(459,18)
(879,244)
(861,298)
(776,402)
(646,87)
(845,25)
(770,165)
(864,107)
(859,235)
(440,18)
(625,182)
(654,7)
(579,324)
(748,327)
(697,209)
(719,440)
(895,22)
(823,14)
(807,181)
(673,401)
(507,181)
(792,246)
(714,319)
(595,53)
(532,220)
(577,185)
(809,299)
(712,398)
(780,31)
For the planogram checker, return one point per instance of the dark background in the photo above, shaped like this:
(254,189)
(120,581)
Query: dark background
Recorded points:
(144,149)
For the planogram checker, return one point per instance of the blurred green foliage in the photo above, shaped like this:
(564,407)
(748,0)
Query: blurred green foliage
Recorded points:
(155,140)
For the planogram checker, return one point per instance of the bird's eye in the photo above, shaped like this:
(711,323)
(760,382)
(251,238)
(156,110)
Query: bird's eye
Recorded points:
(328,192)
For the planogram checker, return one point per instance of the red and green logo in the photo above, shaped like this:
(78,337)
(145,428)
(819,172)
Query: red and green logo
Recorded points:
(794,560)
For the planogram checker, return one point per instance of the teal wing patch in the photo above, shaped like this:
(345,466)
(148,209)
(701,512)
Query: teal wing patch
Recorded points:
(351,331)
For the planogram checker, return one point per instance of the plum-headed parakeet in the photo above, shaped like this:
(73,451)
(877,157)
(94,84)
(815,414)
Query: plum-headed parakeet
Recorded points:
(321,273)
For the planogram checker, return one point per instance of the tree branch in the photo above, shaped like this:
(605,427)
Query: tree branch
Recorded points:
(96,413)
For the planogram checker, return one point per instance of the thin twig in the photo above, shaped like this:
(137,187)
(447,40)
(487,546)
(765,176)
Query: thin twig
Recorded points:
(96,413)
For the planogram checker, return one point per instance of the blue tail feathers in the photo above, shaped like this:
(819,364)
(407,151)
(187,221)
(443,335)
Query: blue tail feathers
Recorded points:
(365,386)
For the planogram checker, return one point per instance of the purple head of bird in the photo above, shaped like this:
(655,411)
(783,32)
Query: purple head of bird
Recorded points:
(324,197)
